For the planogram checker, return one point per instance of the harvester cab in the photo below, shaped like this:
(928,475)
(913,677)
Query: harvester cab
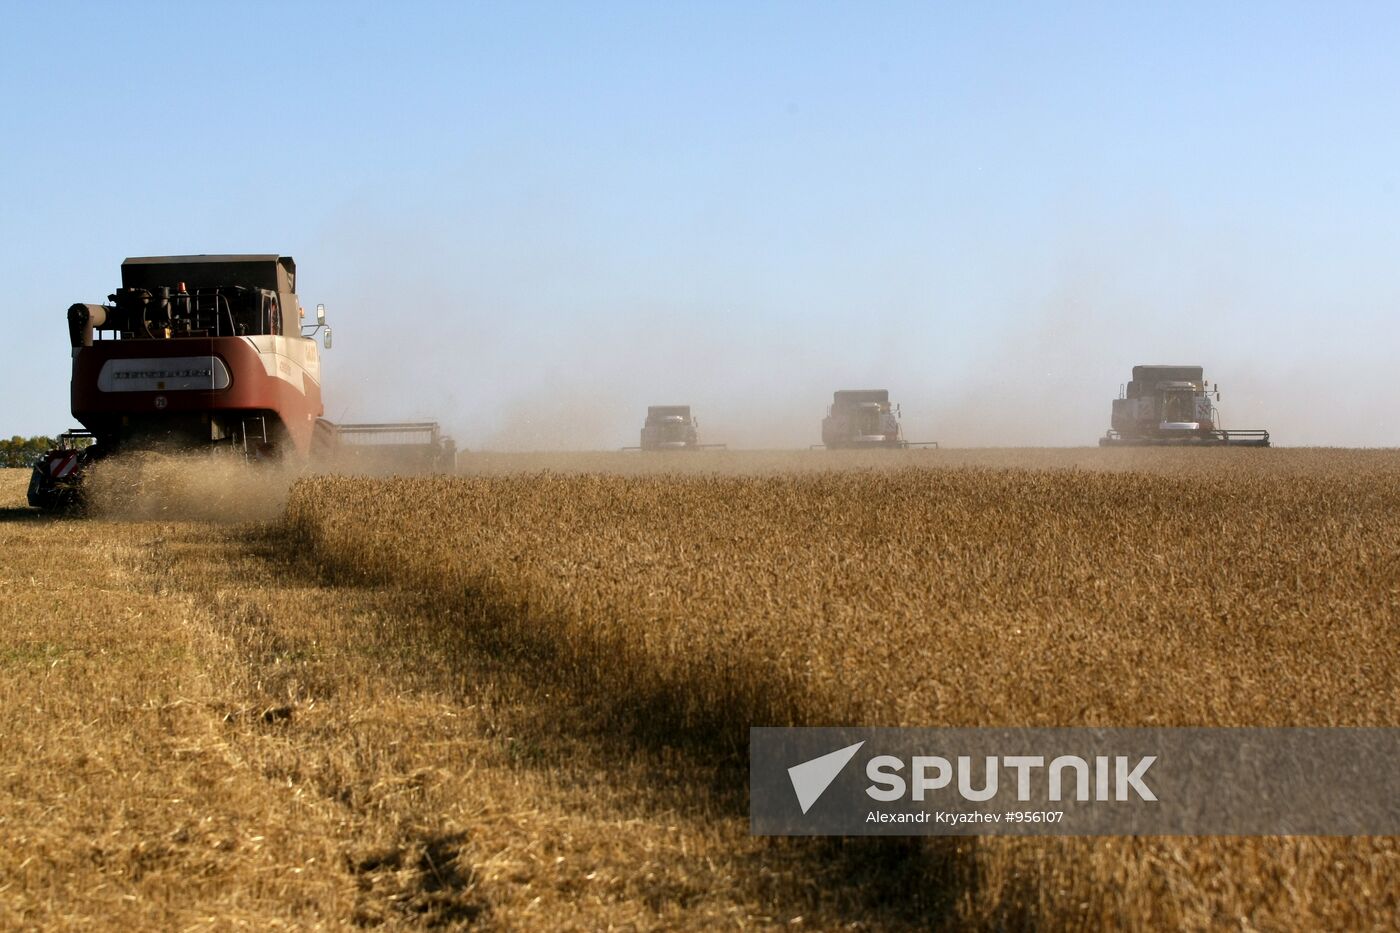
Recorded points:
(864,418)
(1173,406)
(191,352)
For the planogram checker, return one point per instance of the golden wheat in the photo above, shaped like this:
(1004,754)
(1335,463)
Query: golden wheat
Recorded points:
(521,699)
(202,733)
(1214,589)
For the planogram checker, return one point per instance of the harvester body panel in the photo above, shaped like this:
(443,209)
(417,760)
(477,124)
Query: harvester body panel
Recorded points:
(195,390)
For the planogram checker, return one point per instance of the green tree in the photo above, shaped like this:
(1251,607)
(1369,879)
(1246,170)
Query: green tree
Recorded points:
(23,451)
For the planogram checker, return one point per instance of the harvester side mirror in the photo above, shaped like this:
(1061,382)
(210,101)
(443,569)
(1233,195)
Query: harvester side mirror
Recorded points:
(327,338)
(320,314)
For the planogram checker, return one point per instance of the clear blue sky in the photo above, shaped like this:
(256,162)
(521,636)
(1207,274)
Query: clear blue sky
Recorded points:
(532,220)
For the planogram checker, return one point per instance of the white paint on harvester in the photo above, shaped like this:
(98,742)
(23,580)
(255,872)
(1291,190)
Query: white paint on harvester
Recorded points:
(163,374)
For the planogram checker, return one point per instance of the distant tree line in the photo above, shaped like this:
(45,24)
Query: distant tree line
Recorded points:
(23,451)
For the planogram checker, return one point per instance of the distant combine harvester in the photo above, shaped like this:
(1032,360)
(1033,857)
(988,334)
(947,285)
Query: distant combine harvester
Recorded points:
(671,427)
(1172,406)
(864,419)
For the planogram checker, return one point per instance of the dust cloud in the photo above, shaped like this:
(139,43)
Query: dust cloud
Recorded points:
(195,486)
(222,486)
(567,352)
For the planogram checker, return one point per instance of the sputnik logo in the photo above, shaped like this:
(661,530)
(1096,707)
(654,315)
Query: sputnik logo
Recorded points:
(811,778)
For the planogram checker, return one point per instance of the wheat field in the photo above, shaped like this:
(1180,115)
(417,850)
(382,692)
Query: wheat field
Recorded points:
(519,697)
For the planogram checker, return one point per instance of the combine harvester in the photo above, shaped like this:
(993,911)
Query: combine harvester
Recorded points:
(205,353)
(863,419)
(1171,406)
(671,427)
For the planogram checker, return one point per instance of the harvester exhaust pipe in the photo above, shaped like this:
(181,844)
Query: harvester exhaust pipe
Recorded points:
(82,321)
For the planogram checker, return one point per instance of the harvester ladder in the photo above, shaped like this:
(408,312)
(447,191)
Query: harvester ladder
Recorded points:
(260,426)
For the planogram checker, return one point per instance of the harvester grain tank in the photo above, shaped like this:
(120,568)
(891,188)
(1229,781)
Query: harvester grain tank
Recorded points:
(192,352)
(864,418)
(1173,406)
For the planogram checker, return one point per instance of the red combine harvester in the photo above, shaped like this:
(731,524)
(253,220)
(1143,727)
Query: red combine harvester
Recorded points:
(198,352)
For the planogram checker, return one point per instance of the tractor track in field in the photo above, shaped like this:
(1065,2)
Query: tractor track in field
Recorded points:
(250,589)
